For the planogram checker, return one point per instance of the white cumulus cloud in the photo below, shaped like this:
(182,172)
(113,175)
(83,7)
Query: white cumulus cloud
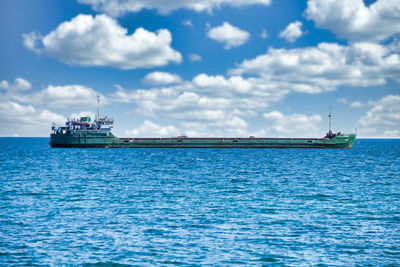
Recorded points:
(19,84)
(101,41)
(292,32)
(32,41)
(228,34)
(195,57)
(216,123)
(187,23)
(161,78)
(65,96)
(121,7)
(53,96)
(382,119)
(264,34)
(342,100)
(356,104)
(26,120)
(204,92)
(206,106)
(28,112)
(353,20)
(293,125)
(151,129)
(325,67)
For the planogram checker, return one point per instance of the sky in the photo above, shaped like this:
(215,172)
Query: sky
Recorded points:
(264,68)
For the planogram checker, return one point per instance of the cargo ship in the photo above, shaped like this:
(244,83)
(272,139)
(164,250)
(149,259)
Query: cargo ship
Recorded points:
(83,133)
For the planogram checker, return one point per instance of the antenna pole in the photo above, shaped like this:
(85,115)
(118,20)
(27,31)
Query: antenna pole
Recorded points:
(330,118)
(98,102)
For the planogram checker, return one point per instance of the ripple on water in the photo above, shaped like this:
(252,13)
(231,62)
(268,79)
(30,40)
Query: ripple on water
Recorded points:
(123,207)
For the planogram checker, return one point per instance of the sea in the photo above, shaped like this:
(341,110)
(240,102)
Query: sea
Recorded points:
(199,207)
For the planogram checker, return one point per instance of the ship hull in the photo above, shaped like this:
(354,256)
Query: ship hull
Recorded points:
(110,141)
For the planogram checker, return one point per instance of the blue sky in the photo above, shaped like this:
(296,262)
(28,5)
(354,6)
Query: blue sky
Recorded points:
(203,67)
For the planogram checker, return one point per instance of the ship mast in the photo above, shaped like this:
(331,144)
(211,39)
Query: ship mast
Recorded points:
(330,118)
(98,102)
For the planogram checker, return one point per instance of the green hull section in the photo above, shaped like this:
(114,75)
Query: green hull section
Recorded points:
(98,140)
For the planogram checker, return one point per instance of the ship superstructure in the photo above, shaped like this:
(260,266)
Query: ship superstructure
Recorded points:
(84,125)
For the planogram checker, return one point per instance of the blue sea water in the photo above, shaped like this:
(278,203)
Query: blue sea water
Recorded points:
(219,207)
